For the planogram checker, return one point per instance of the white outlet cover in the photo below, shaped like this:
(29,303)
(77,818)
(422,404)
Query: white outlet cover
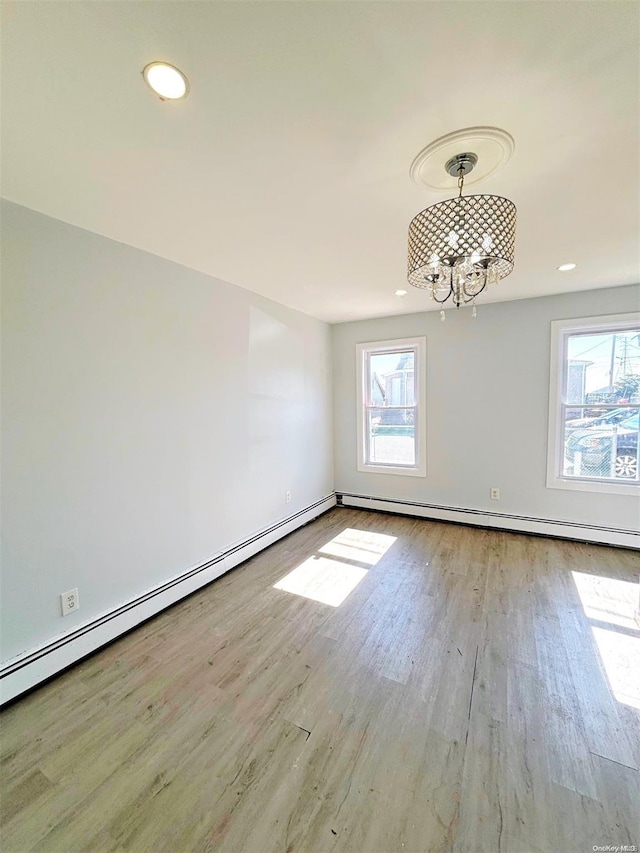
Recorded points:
(70,601)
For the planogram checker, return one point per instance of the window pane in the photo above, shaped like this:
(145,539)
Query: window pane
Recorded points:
(603,446)
(391,436)
(603,368)
(392,379)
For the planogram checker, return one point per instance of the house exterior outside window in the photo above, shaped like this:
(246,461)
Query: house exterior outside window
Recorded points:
(594,404)
(391,406)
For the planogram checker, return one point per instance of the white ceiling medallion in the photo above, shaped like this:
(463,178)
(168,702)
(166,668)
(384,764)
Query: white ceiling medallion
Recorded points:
(493,146)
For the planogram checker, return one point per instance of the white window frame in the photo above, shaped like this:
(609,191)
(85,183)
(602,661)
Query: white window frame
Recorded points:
(364,352)
(560,329)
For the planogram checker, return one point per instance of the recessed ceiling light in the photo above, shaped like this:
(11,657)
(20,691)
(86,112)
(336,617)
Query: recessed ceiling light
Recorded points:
(566,267)
(167,81)
(401,292)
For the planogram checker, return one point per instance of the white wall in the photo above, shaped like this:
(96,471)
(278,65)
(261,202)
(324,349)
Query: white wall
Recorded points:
(487,409)
(152,416)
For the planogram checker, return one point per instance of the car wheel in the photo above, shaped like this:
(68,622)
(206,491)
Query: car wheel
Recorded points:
(627,466)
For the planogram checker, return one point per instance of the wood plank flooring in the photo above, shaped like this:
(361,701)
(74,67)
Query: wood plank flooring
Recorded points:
(475,691)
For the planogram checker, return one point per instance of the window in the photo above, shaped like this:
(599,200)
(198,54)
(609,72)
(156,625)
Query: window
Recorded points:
(595,404)
(391,407)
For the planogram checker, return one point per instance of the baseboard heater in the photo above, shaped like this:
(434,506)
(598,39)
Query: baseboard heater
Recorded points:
(41,663)
(500,521)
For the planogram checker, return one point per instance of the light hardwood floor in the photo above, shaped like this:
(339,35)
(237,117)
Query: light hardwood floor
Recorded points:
(473,692)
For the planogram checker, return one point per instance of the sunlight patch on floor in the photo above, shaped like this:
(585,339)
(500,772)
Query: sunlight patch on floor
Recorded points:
(608,599)
(363,546)
(321,579)
(614,602)
(620,655)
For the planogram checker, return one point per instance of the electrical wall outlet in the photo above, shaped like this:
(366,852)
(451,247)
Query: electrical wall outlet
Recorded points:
(495,494)
(287,497)
(70,602)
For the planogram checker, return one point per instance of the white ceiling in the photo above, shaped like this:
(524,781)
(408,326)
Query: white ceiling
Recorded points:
(286,170)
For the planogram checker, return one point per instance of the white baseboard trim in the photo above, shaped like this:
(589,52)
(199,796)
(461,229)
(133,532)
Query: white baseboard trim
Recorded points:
(500,521)
(39,664)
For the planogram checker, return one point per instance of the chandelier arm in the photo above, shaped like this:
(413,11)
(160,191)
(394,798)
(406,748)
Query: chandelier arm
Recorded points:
(473,295)
(441,301)
(470,298)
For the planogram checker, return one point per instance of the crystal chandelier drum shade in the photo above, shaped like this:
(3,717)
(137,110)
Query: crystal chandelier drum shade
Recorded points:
(459,246)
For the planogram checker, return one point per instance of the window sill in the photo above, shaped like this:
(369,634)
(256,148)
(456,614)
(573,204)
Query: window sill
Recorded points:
(630,489)
(420,471)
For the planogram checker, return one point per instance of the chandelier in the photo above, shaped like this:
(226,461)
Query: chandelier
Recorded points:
(459,246)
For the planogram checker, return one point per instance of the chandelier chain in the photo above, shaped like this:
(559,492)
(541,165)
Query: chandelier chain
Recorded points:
(460,180)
